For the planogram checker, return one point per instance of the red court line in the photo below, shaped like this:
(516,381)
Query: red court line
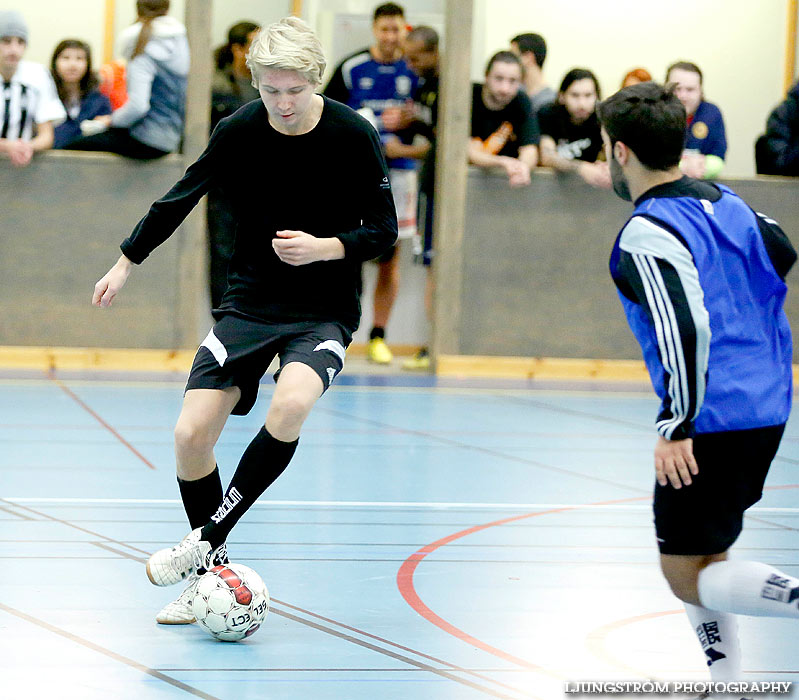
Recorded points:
(407,588)
(100,420)
(596,641)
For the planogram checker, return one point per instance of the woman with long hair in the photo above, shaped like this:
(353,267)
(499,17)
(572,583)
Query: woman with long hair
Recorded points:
(77,86)
(150,124)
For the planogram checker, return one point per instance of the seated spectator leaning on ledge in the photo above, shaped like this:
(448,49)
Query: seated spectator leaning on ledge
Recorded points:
(705,137)
(571,139)
(77,86)
(31,106)
(150,124)
(504,130)
(777,151)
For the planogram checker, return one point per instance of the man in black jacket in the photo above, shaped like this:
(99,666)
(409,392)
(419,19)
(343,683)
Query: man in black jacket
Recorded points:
(777,151)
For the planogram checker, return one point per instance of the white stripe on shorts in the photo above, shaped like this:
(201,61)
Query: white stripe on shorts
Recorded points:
(215,346)
(334,346)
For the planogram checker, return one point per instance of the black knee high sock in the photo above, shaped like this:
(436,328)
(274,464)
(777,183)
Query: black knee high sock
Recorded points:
(263,461)
(201,497)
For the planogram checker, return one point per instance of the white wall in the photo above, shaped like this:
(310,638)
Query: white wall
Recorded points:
(49,23)
(225,13)
(321,15)
(738,44)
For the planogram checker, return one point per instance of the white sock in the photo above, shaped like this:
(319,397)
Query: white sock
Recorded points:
(748,588)
(718,635)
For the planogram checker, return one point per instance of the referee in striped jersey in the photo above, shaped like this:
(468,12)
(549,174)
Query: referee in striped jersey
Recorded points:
(701,277)
(29,104)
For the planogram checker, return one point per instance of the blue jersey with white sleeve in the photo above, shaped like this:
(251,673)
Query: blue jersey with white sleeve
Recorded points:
(362,82)
(705,131)
(701,279)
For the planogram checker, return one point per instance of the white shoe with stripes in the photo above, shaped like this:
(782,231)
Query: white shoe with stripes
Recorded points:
(179,611)
(172,565)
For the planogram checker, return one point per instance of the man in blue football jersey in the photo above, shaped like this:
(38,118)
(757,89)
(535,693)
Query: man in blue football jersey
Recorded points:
(705,136)
(701,279)
(372,81)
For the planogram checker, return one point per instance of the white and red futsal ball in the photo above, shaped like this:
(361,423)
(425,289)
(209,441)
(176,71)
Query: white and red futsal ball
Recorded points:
(231,602)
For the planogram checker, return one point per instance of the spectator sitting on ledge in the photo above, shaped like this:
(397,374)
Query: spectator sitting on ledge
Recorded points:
(32,107)
(77,87)
(570,137)
(150,124)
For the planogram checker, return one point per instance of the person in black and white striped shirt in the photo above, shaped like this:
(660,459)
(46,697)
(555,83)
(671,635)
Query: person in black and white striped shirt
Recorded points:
(29,104)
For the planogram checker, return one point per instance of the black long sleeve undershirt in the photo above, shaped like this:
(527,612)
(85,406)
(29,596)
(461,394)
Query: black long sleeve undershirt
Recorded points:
(330,182)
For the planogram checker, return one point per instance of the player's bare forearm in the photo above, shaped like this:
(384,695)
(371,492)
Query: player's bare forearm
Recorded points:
(107,288)
(331,248)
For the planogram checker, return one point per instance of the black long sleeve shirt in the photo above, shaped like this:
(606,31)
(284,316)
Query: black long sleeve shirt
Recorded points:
(329,182)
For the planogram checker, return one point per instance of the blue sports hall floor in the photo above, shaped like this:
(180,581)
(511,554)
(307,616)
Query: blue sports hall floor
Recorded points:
(434,540)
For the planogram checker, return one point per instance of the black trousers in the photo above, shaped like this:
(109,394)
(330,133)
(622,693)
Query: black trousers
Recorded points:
(117,141)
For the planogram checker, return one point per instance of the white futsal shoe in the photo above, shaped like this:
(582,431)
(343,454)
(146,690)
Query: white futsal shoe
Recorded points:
(172,565)
(179,611)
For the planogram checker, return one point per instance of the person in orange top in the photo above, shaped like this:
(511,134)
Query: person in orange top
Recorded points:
(112,83)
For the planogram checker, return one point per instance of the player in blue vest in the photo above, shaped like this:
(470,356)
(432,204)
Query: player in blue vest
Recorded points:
(701,279)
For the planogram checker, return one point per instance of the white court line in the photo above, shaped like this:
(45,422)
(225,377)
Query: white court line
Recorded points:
(380,504)
(620,393)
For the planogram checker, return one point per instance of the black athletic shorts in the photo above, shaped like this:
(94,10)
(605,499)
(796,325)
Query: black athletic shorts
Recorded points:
(237,352)
(707,516)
